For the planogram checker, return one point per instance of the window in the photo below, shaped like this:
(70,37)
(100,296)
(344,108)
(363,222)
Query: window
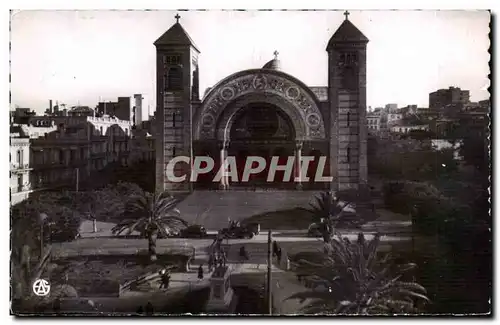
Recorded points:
(173,119)
(19,183)
(101,130)
(172,60)
(348,117)
(348,154)
(173,79)
(20,157)
(173,151)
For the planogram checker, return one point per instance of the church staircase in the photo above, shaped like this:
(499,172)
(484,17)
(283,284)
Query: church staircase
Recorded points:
(213,209)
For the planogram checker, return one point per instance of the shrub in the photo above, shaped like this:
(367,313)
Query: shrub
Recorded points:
(402,197)
(95,287)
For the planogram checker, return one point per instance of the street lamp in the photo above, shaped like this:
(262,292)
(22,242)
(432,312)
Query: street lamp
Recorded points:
(269,272)
(77,170)
(42,217)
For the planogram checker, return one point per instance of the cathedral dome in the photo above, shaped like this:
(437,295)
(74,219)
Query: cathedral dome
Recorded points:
(274,64)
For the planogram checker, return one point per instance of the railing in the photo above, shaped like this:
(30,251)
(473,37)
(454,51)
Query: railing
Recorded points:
(20,189)
(15,167)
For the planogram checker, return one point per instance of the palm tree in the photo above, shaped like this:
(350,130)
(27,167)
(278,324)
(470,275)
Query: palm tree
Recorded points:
(331,211)
(356,281)
(25,245)
(151,214)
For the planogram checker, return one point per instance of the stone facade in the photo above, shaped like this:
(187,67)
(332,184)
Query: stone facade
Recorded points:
(322,121)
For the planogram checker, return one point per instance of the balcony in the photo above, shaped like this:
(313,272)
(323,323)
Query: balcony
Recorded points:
(20,189)
(48,165)
(15,168)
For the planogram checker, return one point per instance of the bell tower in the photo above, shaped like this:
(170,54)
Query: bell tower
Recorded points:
(347,99)
(176,89)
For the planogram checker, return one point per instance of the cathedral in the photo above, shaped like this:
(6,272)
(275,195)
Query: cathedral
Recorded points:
(262,112)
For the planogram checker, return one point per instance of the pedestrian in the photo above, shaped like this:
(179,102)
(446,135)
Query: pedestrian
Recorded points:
(165,279)
(219,243)
(200,272)
(243,253)
(224,257)
(149,309)
(210,262)
(140,310)
(275,247)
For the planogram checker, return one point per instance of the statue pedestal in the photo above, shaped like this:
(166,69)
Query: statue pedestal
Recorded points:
(221,293)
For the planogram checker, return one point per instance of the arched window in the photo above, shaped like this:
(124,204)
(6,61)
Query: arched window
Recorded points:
(20,157)
(173,79)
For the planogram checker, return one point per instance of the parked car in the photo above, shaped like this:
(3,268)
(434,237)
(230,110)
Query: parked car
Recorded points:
(240,231)
(170,233)
(254,227)
(193,231)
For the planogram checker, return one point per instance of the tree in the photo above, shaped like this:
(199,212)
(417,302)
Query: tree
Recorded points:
(356,281)
(332,212)
(151,214)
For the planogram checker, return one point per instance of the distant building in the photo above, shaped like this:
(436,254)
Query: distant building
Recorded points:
(404,128)
(76,149)
(34,128)
(381,119)
(373,120)
(393,117)
(442,144)
(142,145)
(20,186)
(485,104)
(138,110)
(64,145)
(121,109)
(81,111)
(391,108)
(451,96)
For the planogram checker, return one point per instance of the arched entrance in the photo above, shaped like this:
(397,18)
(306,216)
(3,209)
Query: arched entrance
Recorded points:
(262,113)
(263,130)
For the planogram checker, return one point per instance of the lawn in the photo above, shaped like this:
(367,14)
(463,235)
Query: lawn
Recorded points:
(291,219)
(99,277)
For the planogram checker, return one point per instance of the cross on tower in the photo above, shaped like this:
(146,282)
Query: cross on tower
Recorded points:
(346,14)
(276,54)
(177,17)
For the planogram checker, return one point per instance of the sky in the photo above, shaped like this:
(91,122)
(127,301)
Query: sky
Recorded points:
(80,57)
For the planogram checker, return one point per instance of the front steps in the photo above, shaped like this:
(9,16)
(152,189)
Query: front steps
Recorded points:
(213,209)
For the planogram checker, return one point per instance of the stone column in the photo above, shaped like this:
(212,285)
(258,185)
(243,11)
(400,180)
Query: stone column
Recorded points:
(298,169)
(224,181)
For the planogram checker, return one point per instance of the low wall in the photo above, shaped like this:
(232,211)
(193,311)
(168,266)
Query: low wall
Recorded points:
(284,284)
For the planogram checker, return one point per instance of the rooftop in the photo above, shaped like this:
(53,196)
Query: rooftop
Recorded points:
(176,35)
(347,33)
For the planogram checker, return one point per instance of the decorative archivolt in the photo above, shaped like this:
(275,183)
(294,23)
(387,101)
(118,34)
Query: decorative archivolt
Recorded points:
(295,100)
